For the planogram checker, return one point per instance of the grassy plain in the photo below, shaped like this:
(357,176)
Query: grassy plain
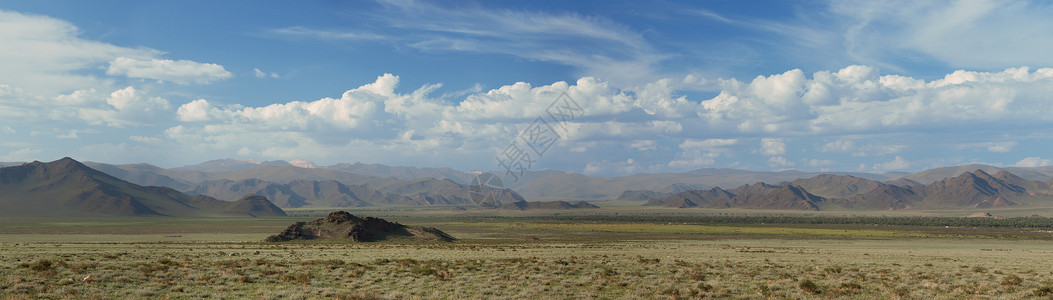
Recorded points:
(523,255)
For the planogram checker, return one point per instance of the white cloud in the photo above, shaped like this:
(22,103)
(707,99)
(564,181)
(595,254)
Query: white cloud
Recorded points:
(23,154)
(643,145)
(74,134)
(999,147)
(261,74)
(1031,162)
(779,162)
(980,34)
(178,71)
(7,130)
(625,167)
(127,106)
(44,56)
(849,145)
(856,104)
(299,31)
(772,146)
(896,164)
(697,153)
(597,45)
(818,162)
(146,139)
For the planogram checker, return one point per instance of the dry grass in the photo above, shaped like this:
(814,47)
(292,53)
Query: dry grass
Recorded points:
(751,268)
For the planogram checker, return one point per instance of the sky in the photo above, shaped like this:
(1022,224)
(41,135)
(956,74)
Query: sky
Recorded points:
(605,88)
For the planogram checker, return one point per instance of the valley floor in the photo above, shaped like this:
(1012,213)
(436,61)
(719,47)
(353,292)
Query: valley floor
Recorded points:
(523,258)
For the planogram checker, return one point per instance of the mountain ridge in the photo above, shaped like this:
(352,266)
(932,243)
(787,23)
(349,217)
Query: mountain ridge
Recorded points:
(68,187)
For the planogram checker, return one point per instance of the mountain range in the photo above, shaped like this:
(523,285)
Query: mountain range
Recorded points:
(977,189)
(301,183)
(68,188)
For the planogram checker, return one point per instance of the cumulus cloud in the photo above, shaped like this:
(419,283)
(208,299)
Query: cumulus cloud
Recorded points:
(127,106)
(852,105)
(896,164)
(178,71)
(779,162)
(772,146)
(697,153)
(1031,162)
(51,73)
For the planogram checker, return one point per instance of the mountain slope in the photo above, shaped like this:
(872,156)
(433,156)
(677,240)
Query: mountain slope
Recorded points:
(784,197)
(836,186)
(67,187)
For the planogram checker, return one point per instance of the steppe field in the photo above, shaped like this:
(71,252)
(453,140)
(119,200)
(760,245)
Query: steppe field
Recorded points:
(606,253)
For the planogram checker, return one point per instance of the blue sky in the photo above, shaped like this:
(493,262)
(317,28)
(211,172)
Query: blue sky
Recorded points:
(665,87)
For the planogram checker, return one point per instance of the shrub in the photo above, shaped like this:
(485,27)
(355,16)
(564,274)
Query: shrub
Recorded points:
(850,286)
(1043,291)
(1011,280)
(809,287)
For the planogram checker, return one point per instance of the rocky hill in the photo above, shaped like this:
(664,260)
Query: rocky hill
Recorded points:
(68,188)
(343,226)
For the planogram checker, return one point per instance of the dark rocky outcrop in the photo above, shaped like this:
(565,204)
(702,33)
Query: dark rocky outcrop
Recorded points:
(343,226)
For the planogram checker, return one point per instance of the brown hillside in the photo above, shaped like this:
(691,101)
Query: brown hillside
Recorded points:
(67,187)
(973,189)
(785,197)
(640,195)
(837,186)
(887,197)
(692,198)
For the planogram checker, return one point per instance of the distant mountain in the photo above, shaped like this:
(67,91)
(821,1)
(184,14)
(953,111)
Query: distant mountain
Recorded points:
(933,175)
(577,186)
(300,193)
(524,205)
(784,197)
(937,174)
(145,174)
(886,197)
(10,164)
(977,189)
(641,195)
(756,196)
(692,198)
(404,173)
(68,188)
(303,164)
(835,186)
(229,165)
(331,193)
(254,205)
